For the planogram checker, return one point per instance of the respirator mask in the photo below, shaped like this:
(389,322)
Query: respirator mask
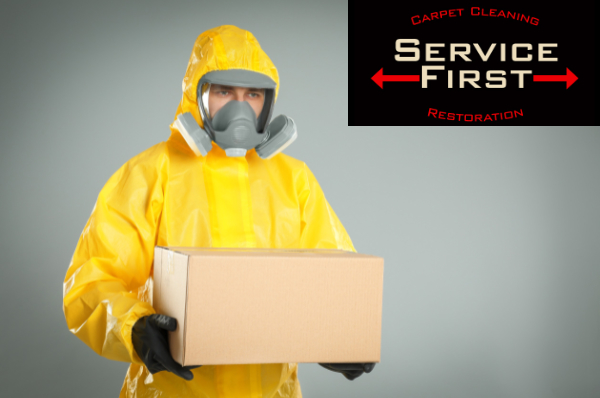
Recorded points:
(237,96)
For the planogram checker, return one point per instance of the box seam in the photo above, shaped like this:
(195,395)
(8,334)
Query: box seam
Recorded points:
(187,288)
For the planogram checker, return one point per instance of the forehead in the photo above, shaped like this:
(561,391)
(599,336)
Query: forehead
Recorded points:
(224,87)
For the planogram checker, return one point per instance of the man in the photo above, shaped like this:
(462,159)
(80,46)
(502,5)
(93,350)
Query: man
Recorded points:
(169,195)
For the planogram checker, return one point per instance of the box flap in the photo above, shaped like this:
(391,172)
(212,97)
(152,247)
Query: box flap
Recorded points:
(257,252)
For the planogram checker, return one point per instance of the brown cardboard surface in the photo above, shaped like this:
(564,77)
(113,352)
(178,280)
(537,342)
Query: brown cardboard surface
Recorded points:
(237,306)
(170,294)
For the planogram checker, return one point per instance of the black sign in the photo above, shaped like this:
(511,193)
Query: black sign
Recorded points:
(466,63)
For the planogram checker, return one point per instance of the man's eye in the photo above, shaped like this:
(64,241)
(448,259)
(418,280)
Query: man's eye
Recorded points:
(254,95)
(223,92)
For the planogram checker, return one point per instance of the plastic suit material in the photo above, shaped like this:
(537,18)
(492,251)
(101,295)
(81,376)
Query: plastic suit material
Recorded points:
(151,342)
(350,370)
(167,196)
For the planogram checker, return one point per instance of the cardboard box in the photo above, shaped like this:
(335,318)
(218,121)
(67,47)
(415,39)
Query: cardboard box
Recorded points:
(243,306)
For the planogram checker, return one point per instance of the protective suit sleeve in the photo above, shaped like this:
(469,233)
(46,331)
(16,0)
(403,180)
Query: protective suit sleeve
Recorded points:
(321,227)
(113,259)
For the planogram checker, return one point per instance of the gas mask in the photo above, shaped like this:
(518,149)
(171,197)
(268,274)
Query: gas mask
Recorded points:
(235,127)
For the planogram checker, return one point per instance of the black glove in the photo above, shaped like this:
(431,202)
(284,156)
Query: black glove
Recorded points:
(150,340)
(350,370)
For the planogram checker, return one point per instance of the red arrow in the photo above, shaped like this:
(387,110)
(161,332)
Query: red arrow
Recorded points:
(570,78)
(379,78)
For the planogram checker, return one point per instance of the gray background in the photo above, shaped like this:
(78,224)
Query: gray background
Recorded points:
(491,236)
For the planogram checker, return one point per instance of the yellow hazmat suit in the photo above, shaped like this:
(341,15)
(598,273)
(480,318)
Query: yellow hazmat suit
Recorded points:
(169,197)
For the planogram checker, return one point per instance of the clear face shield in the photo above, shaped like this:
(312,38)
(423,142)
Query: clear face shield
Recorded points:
(213,97)
(217,89)
(236,107)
